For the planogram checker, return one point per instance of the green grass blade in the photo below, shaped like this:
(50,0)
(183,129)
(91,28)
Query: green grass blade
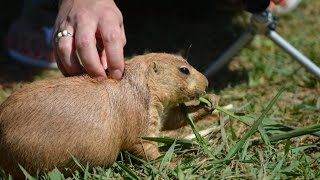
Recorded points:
(196,132)
(223,131)
(180,174)
(168,140)
(55,175)
(218,149)
(78,163)
(131,174)
(277,169)
(136,158)
(264,136)
(244,153)
(3,174)
(196,169)
(145,163)
(204,100)
(127,157)
(167,157)
(295,133)
(248,121)
(199,138)
(26,174)
(253,128)
(86,172)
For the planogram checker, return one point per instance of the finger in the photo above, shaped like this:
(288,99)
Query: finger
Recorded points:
(67,57)
(123,34)
(103,57)
(113,41)
(60,66)
(86,46)
(102,52)
(59,63)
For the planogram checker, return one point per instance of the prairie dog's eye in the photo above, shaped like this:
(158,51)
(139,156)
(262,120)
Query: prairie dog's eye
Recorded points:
(184,70)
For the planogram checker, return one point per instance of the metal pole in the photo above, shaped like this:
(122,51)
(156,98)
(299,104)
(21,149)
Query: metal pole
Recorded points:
(261,23)
(307,63)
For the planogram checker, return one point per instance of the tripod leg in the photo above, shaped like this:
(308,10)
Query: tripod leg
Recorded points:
(226,57)
(307,63)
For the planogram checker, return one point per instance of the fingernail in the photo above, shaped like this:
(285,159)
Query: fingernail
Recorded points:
(116,74)
(100,78)
(105,66)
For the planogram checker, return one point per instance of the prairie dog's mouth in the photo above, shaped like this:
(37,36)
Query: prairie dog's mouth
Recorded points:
(201,93)
(198,94)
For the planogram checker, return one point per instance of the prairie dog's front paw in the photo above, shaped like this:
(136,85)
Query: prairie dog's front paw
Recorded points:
(213,99)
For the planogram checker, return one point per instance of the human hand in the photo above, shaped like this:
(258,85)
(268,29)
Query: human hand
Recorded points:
(91,22)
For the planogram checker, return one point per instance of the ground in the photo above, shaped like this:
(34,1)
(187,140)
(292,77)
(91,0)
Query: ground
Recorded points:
(249,83)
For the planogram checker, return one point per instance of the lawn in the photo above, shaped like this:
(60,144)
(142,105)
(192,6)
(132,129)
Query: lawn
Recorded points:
(270,131)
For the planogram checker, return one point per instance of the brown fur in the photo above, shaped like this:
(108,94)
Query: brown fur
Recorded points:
(45,122)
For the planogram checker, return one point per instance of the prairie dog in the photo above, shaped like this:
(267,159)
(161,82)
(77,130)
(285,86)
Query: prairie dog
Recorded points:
(45,122)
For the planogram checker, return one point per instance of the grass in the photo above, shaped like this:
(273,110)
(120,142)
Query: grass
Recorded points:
(269,134)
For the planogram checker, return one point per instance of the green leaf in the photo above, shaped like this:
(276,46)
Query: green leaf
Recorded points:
(318,103)
(204,100)
(264,136)
(295,133)
(169,141)
(86,172)
(180,174)
(277,169)
(55,175)
(26,174)
(199,138)
(167,157)
(244,153)
(78,163)
(253,128)
(131,174)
